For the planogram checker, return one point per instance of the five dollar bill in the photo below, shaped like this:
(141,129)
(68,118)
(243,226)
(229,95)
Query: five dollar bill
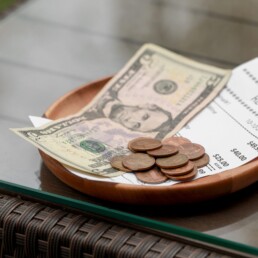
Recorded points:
(155,94)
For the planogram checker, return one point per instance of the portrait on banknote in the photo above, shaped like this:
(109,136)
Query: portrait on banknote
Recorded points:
(147,117)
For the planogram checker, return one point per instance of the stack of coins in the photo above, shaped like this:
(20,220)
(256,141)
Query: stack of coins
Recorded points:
(153,161)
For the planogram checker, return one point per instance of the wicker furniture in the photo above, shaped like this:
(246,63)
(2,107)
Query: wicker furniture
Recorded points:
(32,229)
(50,47)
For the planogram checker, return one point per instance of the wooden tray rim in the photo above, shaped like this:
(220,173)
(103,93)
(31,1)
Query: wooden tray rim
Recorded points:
(198,190)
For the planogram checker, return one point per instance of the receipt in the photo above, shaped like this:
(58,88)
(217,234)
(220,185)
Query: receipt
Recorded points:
(227,128)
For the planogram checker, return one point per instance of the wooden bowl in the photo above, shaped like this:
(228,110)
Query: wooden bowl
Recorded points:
(198,190)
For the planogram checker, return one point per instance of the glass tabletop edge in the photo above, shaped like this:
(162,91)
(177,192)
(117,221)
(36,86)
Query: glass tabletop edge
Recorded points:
(127,217)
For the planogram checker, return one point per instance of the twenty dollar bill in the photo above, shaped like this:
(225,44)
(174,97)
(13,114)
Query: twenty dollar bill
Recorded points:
(155,94)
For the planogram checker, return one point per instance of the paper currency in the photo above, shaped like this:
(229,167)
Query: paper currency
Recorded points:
(155,94)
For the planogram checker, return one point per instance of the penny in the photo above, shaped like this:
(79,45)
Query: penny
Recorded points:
(192,150)
(164,151)
(132,141)
(175,161)
(179,171)
(129,147)
(116,162)
(186,177)
(203,161)
(152,176)
(138,161)
(176,140)
(144,144)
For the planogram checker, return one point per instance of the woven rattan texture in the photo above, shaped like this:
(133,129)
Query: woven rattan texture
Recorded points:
(30,230)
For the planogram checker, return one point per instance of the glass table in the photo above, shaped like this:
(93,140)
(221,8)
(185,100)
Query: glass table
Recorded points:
(90,40)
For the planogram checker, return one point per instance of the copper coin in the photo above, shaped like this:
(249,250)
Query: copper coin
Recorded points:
(129,147)
(132,141)
(138,161)
(116,162)
(152,176)
(186,177)
(144,144)
(203,161)
(164,151)
(175,161)
(179,171)
(176,140)
(192,150)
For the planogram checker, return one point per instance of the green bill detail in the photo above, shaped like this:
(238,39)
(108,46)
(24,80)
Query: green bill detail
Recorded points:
(92,146)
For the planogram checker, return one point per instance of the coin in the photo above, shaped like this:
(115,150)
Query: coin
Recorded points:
(152,176)
(164,151)
(192,150)
(186,177)
(116,162)
(138,161)
(203,161)
(176,140)
(132,141)
(129,147)
(144,144)
(179,171)
(175,161)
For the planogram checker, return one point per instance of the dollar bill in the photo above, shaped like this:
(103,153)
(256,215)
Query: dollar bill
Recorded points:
(155,94)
